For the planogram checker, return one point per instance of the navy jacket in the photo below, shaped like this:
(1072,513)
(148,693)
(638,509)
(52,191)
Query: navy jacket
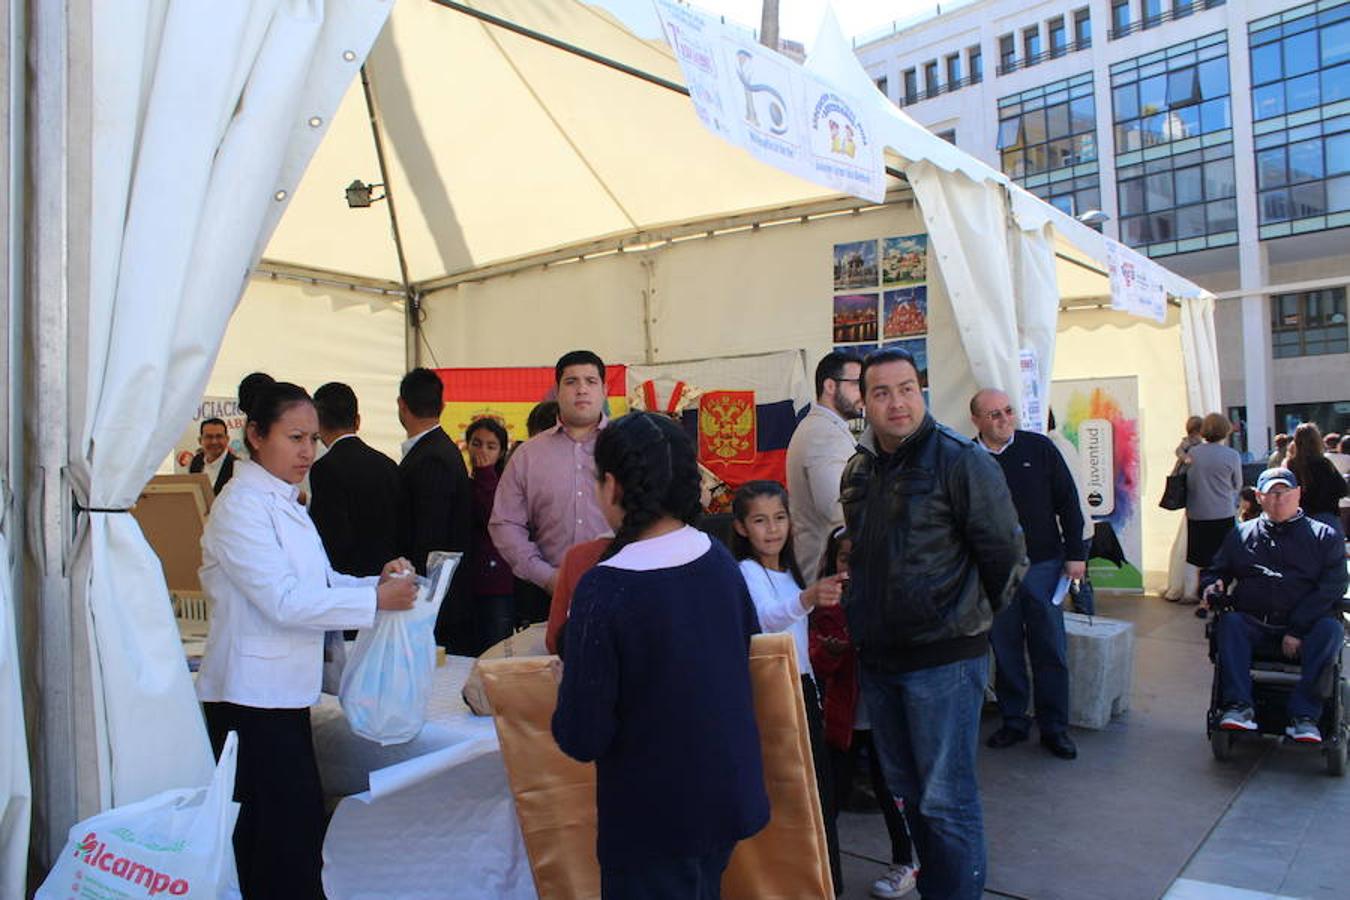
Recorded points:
(1045,496)
(1288,574)
(656,690)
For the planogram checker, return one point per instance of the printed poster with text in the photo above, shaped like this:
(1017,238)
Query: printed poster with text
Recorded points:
(1100,416)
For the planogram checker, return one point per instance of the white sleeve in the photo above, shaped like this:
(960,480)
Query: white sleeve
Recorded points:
(777,612)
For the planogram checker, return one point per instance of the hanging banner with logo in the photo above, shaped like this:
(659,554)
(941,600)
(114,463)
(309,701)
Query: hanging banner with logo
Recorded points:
(755,98)
(1100,416)
(224,408)
(1136,282)
(1033,404)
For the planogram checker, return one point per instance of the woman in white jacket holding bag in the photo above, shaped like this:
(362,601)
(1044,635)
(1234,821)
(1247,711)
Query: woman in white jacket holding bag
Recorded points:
(274,595)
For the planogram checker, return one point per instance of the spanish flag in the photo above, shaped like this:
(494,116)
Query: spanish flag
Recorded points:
(508,395)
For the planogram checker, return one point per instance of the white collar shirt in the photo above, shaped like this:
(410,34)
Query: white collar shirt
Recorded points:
(411,442)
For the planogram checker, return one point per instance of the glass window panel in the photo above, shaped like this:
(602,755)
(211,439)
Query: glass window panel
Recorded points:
(1222,216)
(1183,87)
(1063,203)
(1301,93)
(1270,168)
(1158,191)
(1305,161)
(1082,115)
(1125,99)
(1152,10)
(1129,137)
(1035,159)
(1300,53)
(1091,198)
(1336,43)
(1307,200)
(1010,133)
(1338,153)
(1033,127)
(1266,64)
(1164,226)
(1131,197)
(1182,7)
(1013,164)
(1214,115)
(1132,231)
(1219,180)
(1274,207)
(1268,101)
(1336,83)
(1184,122)
(1031,43)
(1057,121)
(1154,129)
(1213,76)
(1085,147)
(1189,186)
(1058,36)
(1120,15)
(1190,222)
(1061,154)
(1153,94)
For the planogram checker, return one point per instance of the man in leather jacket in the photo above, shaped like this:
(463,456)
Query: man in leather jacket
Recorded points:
(937,550)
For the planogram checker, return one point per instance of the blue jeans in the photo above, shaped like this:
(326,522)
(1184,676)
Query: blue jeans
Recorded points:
(673,878)
(1033,622)
(1240,635)
(926,727)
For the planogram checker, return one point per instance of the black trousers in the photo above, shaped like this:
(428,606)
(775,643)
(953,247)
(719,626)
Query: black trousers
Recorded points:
(815,723)
(845,763)
(278,841)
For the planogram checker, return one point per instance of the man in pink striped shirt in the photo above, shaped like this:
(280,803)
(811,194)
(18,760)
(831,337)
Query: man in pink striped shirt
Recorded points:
(546,499)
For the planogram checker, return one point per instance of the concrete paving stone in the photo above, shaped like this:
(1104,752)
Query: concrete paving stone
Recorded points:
(1189,889)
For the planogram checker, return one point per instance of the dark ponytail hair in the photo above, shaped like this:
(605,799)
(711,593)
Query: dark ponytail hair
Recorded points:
(250,387)
(487,423)
(268,404)
(655,465)
(829,562)
(740,508)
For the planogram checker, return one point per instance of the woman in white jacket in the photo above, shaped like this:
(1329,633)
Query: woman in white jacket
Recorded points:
(274,595)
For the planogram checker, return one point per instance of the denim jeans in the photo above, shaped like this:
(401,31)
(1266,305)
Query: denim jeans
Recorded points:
(925,726)
(1033,622)
(1240,634)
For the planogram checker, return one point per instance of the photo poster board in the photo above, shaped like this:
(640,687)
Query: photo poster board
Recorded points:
(880,298)
(1100,416)
(226,408)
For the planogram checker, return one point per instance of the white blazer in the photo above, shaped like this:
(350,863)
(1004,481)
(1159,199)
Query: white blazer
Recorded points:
(820,448)
(274,595)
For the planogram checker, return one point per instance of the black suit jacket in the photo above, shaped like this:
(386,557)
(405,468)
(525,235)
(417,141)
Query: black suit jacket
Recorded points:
(356,506)
(226,468)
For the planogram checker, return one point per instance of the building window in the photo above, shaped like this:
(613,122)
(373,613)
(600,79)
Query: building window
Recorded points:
(911,78)
(1175,176)
(1310,323)
(1150,13)
(953,71)
(882,85)
(1059,37)
(949,135)
(1031,45)
(1120,16)
(1007,54)
(1332,416)
(1300,63)
(1047,141)
(930,79)
(1182,8)
(1082,28)
(975,62)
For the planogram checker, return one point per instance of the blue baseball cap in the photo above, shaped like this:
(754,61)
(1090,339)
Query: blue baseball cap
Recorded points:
(1271,477)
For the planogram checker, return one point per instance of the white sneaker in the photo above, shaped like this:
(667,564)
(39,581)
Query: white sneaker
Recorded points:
(897,882)
(1238,718)
(1305,731)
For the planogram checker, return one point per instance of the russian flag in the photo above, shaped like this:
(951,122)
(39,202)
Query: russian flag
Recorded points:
(740,411)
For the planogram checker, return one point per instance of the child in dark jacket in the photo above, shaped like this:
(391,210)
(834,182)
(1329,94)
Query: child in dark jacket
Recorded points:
(656,684)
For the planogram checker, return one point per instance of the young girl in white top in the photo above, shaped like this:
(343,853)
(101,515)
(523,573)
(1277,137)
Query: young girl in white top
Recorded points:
(763,543)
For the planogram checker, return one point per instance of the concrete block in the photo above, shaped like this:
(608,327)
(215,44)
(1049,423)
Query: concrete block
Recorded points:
(1101,668)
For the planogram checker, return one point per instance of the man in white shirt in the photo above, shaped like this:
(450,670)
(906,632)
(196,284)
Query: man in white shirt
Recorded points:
(816,455)
(215,458)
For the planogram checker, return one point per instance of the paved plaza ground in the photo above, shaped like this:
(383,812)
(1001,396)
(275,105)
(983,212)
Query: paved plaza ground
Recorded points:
(1145,811)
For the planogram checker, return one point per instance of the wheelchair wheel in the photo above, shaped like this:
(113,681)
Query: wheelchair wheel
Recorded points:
(1336,758)
(1221,744)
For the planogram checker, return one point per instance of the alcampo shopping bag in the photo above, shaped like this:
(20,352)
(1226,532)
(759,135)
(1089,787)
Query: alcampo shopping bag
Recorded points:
(387,679)
(175,844)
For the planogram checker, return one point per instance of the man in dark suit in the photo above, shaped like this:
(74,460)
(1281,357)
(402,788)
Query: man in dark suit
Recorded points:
(357,496)
(437,499)
(215,458)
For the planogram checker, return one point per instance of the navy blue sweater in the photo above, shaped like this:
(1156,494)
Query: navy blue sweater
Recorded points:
(1289,574)
(1045,496)
(656,690)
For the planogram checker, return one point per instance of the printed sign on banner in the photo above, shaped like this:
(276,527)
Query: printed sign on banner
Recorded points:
(226,408)
(755,98)
(1136,283)
(1033,405)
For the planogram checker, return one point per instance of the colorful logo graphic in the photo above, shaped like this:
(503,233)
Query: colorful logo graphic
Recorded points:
(726,427)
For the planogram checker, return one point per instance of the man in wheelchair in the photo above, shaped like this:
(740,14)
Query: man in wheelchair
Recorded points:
(1281,575)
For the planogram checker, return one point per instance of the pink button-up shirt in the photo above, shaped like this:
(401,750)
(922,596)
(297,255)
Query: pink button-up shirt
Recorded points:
(546,503)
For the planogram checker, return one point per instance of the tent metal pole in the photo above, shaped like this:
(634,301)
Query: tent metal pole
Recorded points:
(411,342)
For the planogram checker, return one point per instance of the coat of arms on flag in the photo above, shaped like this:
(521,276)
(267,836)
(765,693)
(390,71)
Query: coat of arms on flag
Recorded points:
(726,427)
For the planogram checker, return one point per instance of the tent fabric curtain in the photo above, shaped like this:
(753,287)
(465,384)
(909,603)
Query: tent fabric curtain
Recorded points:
(16,790)
(1200,351)
(205,115)
(1037,300)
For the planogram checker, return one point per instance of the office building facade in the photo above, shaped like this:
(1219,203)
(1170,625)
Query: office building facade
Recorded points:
(1212,136)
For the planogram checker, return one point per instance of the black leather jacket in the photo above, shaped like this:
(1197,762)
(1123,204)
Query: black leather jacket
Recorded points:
(937,548)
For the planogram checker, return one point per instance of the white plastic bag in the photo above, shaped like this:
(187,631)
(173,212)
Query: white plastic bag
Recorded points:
(387,679)
(174,844)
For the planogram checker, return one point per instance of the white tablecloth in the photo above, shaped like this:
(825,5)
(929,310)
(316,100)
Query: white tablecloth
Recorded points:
(431,818)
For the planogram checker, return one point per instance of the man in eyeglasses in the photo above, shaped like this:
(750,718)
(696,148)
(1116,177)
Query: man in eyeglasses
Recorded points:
(1047,506)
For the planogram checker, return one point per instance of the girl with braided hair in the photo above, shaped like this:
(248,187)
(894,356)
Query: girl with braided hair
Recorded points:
(656,686)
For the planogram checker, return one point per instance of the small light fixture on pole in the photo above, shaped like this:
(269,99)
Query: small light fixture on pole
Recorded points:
(359,194)
(1093,217)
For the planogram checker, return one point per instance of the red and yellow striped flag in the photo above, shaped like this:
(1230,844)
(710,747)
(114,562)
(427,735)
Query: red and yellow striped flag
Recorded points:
(508,395)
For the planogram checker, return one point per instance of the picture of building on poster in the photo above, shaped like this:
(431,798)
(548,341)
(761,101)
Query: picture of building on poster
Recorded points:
(917,348)
(855,265)
(904,260)
(855,318)
(904,312)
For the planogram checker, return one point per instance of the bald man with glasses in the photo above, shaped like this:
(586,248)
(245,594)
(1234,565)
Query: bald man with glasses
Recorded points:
(1047,504)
